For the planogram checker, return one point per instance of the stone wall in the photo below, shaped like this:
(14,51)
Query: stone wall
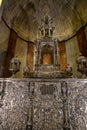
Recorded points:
(86,31)
(21,52)
(4,38)
(72,53)
(44,103)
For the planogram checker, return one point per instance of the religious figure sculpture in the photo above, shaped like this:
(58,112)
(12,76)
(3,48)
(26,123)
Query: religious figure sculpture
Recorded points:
(14,66)
(64,92)
(69,72)
(82,65)
(26,71)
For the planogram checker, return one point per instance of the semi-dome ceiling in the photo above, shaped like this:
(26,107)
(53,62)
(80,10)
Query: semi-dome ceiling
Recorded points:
(24,16)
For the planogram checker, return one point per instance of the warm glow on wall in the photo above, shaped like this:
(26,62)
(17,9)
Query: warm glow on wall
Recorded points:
(47,59)
(0,2)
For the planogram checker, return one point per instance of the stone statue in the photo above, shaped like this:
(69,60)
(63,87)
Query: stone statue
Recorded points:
(69,72)
(82,65)
(14,66)
(66,119)
(26,71)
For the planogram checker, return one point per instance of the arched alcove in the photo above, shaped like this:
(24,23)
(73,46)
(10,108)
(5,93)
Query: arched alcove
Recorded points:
(47,55)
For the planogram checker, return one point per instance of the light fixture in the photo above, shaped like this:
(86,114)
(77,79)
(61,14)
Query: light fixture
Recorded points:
(0,2)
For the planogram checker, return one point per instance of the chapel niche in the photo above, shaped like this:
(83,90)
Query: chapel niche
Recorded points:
(47,55)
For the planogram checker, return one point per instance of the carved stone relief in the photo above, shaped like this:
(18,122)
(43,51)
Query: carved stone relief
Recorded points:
(47,113)
(43,105)
(78,105)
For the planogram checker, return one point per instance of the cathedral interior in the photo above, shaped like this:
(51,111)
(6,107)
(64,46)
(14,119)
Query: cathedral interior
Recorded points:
(43,64)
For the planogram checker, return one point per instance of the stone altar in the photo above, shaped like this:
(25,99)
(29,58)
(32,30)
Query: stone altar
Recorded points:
(40,102)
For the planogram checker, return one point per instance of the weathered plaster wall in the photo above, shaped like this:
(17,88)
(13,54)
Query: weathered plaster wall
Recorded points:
(21,52)
(72,52)
(4,38)
(86,31)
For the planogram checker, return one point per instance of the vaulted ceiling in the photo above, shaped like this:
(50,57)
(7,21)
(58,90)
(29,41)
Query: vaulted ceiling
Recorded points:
(24,16)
